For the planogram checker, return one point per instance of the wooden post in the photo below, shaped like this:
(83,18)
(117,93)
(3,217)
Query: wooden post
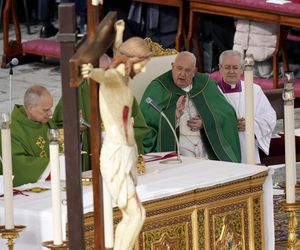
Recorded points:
(95,143)
(67,38)
(11,48)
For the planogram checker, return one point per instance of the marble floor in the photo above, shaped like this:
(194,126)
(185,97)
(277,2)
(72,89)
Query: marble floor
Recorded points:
(46,73)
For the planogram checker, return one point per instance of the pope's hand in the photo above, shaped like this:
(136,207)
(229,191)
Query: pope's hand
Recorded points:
(86,70)
(180,106)
(195,123)
(241,124)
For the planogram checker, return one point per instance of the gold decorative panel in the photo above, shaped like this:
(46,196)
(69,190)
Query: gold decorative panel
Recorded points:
(166,238)
(258,220)
(226,216)
(228,227)
(201,229)
(171,234)
(230,233)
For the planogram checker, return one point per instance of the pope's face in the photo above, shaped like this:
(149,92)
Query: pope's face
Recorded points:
(41,112)
(231,69)
(183,71)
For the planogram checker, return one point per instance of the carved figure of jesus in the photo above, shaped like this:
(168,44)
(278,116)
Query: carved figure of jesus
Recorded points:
(118,155)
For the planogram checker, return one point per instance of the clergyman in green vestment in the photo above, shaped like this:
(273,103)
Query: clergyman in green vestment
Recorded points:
(205,122)
(29,129)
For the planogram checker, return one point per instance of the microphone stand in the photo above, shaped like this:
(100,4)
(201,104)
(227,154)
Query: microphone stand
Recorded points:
(150,102)
(172,160)
(10,87)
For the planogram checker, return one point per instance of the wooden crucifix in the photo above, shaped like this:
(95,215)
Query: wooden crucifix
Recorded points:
(91,51)
(119,150)
(98,41)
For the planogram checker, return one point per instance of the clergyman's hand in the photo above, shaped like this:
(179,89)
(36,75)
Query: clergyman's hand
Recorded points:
(195,123)
(86,70)
(180,106)
(82,127)
(241,124)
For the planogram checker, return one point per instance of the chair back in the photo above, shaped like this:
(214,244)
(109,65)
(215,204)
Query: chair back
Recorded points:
(275,98)
(159,63)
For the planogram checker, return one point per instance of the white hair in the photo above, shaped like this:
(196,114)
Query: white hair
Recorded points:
(231,53)
(33,95)
(187,53)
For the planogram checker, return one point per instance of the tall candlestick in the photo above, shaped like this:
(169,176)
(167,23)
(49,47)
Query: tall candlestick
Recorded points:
(108,218)
(55,186)
(249,109)
(7,170)
(289,136)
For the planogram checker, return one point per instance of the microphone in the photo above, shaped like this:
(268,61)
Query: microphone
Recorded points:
(10,65)
(150,102)
(84,123)
(13,62)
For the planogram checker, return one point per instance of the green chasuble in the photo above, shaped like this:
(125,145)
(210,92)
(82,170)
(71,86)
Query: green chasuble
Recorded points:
(140,127)
(219,135)
(30,147)
(84,104)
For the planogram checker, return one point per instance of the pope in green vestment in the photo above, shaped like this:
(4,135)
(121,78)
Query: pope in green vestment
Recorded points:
(219,133)
(140,126)
(30,147)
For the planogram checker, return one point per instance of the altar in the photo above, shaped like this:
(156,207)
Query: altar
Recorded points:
(198,204)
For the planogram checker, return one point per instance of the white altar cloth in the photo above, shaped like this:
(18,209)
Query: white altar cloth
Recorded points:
(35,212)
(164,180)
(160,180)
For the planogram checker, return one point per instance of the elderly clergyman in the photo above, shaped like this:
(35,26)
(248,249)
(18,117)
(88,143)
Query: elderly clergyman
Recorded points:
(205,122)
(233,88)
(29,128)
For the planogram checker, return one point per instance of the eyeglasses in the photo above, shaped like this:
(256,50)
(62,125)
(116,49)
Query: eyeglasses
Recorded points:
(231,67)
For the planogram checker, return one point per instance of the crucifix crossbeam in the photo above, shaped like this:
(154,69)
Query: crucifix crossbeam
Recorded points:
(92,49)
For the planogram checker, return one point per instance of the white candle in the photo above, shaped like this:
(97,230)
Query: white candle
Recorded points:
(249,110)
(290,152)
(108,218)
(97,2)
(55,191)
(7,178)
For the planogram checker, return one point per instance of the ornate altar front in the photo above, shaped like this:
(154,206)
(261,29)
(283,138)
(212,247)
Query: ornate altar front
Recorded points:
(200,205)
